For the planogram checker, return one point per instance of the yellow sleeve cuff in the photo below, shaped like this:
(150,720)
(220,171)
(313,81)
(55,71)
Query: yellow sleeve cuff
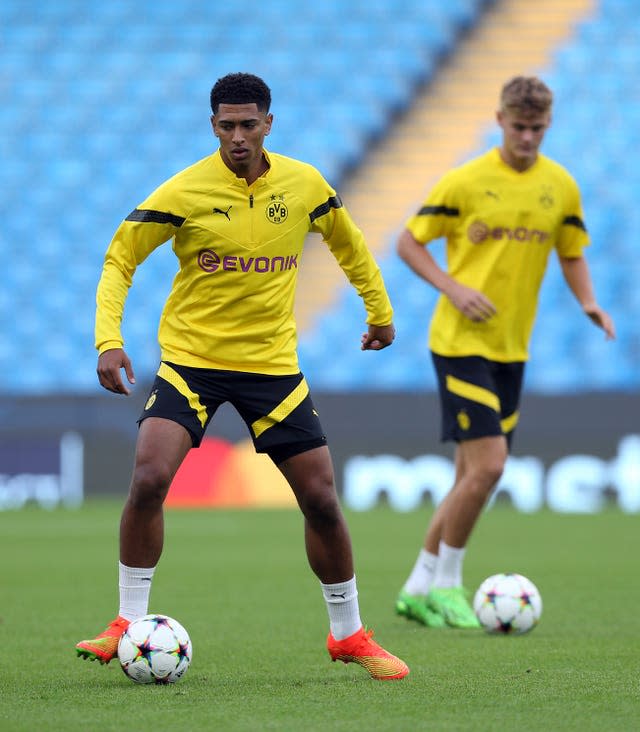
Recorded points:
(108,346)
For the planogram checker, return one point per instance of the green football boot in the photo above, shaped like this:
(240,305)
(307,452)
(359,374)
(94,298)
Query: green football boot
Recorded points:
(414,607)
(452,605)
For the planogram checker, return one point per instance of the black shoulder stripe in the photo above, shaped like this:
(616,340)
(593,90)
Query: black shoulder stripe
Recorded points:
(575,221)
(324,208)
(147,216)
(438,210)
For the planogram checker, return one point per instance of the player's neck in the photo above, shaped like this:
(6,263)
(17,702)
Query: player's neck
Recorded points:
(520,165)
(250,172)
(259,170)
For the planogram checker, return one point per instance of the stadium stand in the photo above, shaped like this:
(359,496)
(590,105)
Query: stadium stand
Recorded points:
(101,105)
(593,135)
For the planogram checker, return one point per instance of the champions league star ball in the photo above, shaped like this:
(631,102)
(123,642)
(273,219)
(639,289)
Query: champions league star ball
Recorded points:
(508,603)
(155,649)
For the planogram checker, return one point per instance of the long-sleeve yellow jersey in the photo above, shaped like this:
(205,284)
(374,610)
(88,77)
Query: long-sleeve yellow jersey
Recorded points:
(239,247)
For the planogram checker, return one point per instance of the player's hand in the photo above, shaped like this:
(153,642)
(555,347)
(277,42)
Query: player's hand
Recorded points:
(601,319)
(109,365)
(378,337)
(471,303)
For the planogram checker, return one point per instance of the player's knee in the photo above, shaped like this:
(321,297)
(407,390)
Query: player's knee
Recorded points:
(150,484)
(319,502)
(485,477)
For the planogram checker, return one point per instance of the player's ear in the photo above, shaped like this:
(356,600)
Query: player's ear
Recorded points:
(268,122)
(213,124)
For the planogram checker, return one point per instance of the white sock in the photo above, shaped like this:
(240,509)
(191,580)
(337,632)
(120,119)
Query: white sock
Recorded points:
(135,587)
(421,576)
(343,609)
(449,567)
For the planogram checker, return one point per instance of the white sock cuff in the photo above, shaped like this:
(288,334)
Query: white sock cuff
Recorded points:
(419,581)
(133,574)
(449,570)
(428,559)
(135,588)
(451,551)
(340,592)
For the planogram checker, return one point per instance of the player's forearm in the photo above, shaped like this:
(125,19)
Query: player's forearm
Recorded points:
(366,277)
(110,299)
(419,259)
(131,244)
(348,246)
(577,276)
(377,302)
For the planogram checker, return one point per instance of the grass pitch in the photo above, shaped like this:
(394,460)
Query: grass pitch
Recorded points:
(240,584)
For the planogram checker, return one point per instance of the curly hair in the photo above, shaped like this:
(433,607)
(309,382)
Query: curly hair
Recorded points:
(240,88)
(526,94)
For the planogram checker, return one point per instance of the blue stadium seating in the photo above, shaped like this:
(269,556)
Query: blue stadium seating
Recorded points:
(595,132)
(102,101)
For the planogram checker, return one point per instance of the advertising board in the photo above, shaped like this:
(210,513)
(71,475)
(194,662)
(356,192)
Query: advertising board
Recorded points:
(577,453)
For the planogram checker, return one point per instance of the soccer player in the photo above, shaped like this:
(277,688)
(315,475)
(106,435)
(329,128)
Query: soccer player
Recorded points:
(238,221)
(501,213)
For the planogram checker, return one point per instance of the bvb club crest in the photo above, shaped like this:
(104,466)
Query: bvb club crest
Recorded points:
(546,197)
(277,212)
(151,400)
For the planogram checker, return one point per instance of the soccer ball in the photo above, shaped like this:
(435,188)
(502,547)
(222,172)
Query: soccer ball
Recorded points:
(155,649)
(508,603)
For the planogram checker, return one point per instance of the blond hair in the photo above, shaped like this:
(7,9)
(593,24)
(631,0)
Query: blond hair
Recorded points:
(526,94)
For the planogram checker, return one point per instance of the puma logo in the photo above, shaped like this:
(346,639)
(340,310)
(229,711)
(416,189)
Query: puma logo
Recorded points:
(224,213)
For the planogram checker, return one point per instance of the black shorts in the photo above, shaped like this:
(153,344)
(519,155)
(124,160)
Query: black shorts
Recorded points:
(277,410)
(478,397)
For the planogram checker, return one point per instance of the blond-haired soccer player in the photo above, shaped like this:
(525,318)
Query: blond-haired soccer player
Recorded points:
(238,220)
(502,214)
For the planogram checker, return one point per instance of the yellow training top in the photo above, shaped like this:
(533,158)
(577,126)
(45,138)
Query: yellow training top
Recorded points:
(239,248)
(500,226)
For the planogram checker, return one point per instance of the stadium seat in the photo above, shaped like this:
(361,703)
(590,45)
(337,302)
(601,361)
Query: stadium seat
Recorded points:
(103,101)
(599,65)
(100,109)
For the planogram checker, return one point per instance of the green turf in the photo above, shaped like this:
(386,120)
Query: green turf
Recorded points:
(240,584)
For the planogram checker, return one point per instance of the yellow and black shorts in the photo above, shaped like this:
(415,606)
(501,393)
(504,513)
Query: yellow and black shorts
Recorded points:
(277,410)
(478,397)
